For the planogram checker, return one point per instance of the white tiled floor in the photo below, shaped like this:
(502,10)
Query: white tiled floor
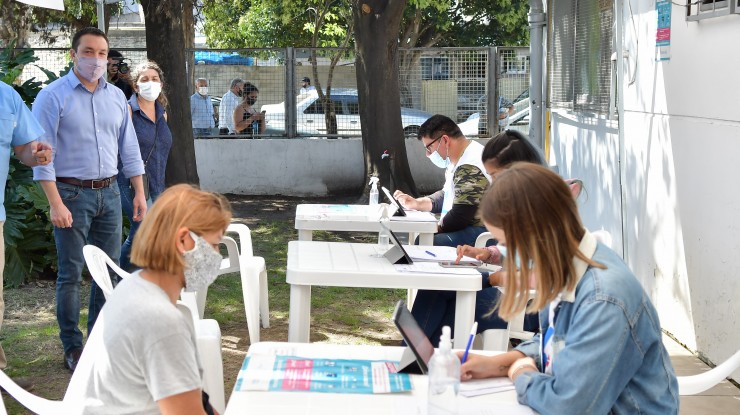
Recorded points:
(721,399)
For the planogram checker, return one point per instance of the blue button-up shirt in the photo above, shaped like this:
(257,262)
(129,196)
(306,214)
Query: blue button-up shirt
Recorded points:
(202,111)
(87,131)
(155,141)
(17,127)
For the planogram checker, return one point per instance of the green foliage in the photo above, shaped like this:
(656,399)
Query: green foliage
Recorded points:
(29,243)
(426,23)
(275,23)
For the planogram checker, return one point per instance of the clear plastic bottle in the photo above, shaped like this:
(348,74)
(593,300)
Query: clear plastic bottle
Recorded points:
(444,378)
(373,191)
(384,236)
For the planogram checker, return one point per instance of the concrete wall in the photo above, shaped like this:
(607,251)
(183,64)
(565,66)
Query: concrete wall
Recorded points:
(675,153)
(299,167)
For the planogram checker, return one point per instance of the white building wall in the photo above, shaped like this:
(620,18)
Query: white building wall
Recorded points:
(680,141)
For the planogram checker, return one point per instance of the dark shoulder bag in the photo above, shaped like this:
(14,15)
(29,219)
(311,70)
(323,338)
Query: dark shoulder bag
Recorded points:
(144,177)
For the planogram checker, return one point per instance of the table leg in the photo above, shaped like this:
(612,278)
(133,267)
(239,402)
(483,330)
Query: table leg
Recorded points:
(305,234)
(464,316)
(410,297)
(299,323)
(426,239)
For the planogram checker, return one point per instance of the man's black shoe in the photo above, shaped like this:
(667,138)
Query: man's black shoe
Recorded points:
(72,358)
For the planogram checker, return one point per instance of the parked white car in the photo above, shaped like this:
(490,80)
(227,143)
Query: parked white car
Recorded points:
(310,114)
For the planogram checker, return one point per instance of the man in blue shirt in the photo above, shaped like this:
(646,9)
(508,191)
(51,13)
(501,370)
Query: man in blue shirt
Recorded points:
(87,122)
(19,130)
(201,109)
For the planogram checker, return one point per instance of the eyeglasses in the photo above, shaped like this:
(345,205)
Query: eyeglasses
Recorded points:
(428,147)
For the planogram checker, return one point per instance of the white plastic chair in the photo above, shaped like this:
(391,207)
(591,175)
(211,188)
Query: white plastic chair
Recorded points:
(207,331)
(692,385)
(33,403)
(253,273)
(72,402)
(97,263)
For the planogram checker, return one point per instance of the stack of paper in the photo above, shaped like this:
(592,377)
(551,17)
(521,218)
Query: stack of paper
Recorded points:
(477,387)
(434,268)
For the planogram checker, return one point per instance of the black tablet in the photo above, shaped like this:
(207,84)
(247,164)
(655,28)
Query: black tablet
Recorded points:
(417,341)
(399,211)
(396,254)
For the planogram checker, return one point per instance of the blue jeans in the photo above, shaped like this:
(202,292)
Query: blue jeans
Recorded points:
(434,309)
(127,203)
(96,220)
(465,236)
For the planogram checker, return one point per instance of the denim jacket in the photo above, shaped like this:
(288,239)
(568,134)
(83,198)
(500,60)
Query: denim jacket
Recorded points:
(608,356)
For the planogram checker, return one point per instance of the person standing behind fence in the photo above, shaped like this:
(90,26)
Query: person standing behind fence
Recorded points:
(306,86)
(147,108)
(19,130)
(201,109)
(246,119)
(87,122)
(229,102)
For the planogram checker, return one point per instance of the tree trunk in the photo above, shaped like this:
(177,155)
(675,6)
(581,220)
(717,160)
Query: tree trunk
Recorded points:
(377,24)
(169,32)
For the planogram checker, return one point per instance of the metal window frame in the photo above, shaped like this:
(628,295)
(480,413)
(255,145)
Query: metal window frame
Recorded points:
(717,8)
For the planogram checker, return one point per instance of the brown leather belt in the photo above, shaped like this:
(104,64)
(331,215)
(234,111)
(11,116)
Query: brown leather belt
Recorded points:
(89,184)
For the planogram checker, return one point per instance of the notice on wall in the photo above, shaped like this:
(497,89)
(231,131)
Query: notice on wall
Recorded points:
(663,33)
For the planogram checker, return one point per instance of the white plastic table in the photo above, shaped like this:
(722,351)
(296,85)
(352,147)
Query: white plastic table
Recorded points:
(305,403)
(360,218)
(340,264)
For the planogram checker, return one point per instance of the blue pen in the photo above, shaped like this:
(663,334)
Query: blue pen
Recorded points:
(431,253)
(473,331)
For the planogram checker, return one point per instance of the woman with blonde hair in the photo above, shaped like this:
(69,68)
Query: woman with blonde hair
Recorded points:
(147,107)
(148,361)
(600,348)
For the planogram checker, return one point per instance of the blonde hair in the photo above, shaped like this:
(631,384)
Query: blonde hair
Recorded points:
(182,205)
(146,65)
(536,210)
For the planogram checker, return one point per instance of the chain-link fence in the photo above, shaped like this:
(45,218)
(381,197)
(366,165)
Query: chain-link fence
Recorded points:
(456,82)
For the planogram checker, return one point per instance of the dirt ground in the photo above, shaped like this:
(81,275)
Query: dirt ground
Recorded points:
(31,310)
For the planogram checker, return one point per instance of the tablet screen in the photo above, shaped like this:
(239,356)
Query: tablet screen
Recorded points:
(399,208)
(413,335)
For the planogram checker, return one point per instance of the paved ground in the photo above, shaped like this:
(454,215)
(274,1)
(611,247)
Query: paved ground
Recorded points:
(721,399)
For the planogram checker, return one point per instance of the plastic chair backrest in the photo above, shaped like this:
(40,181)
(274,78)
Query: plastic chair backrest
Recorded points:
(691,385)
(98,262)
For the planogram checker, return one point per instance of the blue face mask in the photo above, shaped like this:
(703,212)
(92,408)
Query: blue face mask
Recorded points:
(517,260)
(439,161)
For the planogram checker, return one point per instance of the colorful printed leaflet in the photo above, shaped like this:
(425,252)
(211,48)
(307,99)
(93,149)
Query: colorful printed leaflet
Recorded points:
(291,373)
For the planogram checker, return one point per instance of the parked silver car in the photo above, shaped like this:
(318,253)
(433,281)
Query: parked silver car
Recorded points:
(310,114)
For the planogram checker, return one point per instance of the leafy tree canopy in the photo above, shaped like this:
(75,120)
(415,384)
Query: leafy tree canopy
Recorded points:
(274,23)
(426,23)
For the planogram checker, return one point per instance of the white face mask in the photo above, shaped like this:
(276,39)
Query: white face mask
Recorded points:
(203,90)
(91,68)
(149,90)
(201,265)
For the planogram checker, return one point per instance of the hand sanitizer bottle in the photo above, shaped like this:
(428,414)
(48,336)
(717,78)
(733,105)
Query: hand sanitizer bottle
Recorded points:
(384,236)
(444,378)
(374,191)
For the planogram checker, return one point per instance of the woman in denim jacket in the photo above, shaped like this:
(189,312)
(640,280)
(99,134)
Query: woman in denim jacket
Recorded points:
(600,349)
